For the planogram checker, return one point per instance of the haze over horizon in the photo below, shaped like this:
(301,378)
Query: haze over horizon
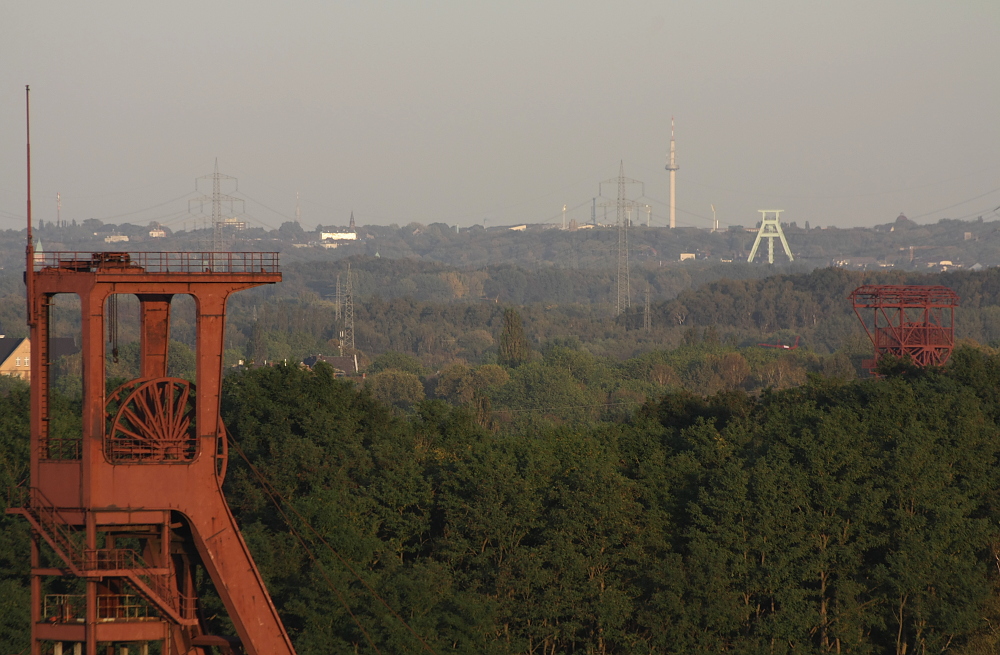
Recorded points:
(841,114)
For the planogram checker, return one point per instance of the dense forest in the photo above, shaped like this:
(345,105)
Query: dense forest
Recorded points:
(518,470)
(444,316)
(834,516)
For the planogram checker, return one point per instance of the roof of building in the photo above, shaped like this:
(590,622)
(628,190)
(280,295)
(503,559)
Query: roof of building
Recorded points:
(8,346)
(347,363)
(58,346)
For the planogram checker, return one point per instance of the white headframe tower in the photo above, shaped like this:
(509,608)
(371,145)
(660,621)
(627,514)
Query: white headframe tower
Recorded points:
(770,229)
(673,168)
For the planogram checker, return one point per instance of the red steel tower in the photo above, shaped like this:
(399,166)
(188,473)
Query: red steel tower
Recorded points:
(127,514)
(134,505)
(907,321)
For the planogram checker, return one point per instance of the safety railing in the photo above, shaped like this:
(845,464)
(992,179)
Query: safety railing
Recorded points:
(54,525)
(64,608)
(61,448)
(108,559)
(18,497)
(185,606)
(158,262)
(72,608)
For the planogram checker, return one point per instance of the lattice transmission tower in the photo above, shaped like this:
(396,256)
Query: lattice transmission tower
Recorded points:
(338,299)
(221,232)
(624,208)
(647,319)
(347,333)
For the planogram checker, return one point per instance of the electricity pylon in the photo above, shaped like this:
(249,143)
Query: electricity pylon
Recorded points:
(347,335)
(647,320)
(624,207)
(219,240)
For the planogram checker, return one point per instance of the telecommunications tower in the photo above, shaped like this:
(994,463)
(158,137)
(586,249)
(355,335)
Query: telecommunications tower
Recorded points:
(673,168)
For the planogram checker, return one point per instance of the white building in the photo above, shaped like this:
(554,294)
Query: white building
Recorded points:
(338,236)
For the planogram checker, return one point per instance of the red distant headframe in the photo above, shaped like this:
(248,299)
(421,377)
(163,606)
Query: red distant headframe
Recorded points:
(907,321)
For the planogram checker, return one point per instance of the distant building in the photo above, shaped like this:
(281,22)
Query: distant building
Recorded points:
(115,238)
(346,365)
(232,223)
(157,233)
(687,255)
(15,358)
(15,354)
(860,263)
(338,236)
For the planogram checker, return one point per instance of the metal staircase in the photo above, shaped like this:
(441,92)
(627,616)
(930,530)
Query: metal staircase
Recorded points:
(156,585)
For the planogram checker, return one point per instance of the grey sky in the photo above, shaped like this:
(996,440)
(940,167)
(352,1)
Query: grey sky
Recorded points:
(840,113)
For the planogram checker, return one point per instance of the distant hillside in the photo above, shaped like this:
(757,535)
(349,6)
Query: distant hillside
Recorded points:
(902,244)
(816,304)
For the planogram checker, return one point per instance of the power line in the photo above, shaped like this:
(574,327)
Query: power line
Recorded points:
(957,204)
(146,209)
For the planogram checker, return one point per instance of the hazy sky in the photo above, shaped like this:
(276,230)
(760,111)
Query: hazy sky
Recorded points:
(841,113)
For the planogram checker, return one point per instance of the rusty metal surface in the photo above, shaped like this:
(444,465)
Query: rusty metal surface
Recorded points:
(148,465)
(907,321)
(156,262)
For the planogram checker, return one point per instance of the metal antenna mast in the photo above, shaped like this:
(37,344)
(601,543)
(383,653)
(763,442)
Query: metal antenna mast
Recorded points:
(624,290)
(647,321)
(673,168)
(339,300)
(58,210)
(29,249)
(298,210)
(348,338)
(624,208)
(220,239)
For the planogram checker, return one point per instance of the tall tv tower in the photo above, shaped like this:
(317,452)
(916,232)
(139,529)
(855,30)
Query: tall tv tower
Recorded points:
(672,167)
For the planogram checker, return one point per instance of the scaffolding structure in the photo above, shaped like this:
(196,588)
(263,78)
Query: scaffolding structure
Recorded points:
(907,321)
